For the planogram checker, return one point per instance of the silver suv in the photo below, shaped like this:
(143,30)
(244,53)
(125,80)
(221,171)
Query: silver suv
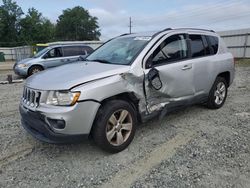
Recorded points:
(51,56)
(129,79)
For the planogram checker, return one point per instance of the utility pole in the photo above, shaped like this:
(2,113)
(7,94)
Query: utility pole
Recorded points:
(130,25)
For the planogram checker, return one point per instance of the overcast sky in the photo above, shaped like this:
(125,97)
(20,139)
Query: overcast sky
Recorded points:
(152,15)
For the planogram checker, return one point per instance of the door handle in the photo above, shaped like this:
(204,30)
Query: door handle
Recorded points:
(186,67)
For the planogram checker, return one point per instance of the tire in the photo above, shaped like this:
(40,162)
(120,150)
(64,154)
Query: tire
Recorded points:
(34,69)
(110,133)
(217,94)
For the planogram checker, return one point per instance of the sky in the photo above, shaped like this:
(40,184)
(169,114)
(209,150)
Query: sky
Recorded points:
(152,15)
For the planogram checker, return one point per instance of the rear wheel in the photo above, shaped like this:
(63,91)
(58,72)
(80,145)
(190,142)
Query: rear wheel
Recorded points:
(115,126)
(34,69)
(218,93)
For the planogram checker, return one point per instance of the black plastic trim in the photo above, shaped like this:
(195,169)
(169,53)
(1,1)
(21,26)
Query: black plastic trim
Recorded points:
(89,100)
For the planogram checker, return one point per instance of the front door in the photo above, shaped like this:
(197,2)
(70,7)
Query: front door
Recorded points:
(53,58)
(169,59)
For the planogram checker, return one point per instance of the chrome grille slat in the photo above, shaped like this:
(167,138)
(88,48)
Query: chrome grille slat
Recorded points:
(31,97)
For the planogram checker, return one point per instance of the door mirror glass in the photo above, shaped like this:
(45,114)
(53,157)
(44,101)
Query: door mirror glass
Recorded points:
(154,79)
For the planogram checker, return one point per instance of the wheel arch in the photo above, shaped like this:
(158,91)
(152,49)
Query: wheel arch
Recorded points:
(36,65)
(126,96)
(226,76)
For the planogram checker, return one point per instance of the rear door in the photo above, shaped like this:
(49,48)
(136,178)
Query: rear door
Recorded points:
(200,54)
(170,57)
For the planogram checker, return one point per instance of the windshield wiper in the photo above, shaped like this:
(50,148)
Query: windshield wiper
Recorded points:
(102,61)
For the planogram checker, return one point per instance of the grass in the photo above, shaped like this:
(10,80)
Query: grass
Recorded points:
(243,62)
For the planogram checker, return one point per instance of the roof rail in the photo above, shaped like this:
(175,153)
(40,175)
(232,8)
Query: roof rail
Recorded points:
(124,34)
(197,29)
(167,29)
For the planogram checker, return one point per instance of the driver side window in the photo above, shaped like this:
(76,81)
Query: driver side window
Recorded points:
(54,53)
(172,49)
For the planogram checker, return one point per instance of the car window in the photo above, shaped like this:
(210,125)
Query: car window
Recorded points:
(40,53)
(197,46)
(172,49)
(214,42)
(54,53)
(120,51)
(206,46)
(73,51)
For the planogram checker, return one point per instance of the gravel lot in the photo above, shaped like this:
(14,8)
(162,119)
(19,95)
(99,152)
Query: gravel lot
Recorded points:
(194,147)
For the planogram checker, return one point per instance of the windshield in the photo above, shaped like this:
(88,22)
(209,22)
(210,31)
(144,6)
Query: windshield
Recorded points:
(119,51)
(41,52)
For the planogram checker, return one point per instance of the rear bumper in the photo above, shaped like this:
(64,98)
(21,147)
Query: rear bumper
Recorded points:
(35,124)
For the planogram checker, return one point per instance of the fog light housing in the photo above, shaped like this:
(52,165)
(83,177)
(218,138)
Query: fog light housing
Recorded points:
(57,123)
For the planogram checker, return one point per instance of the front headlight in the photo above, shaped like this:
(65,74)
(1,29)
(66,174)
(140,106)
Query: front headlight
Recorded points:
(22,65)
(62,98)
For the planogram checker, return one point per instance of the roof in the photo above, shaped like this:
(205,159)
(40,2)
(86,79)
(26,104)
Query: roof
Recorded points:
(152,33)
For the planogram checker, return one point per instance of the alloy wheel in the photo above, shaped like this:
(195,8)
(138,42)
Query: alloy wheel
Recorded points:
(220,93)
(119,127)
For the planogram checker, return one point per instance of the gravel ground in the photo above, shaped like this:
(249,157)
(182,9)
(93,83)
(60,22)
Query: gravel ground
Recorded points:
(5,73)
(194,147)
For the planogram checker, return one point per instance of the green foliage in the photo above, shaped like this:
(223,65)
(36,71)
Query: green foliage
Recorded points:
(77,24)
(10,15)
(19,29)
(35,28)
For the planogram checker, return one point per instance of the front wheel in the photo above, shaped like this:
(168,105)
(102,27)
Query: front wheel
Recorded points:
(218,93)
(34,69)
(115,126)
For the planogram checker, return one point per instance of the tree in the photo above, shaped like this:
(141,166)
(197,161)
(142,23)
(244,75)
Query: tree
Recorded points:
(10,15)
(77,24)
(34,28)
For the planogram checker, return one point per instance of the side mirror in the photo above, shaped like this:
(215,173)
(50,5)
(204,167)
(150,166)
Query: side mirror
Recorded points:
(82,58)
(45,56)
(154,79)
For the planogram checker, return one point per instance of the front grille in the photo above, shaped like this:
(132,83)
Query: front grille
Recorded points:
(31,97)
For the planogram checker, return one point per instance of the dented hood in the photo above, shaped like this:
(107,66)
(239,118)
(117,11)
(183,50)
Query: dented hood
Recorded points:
(68,76)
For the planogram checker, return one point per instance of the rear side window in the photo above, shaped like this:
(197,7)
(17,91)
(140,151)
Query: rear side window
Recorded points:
(73,51)
(206,46)
(197,46)
(214,42)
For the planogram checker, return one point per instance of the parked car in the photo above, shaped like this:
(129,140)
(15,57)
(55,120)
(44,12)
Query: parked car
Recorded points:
(129,79)
(52,56)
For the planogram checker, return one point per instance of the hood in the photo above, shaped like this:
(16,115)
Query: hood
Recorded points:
(27,60)
(67,76)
